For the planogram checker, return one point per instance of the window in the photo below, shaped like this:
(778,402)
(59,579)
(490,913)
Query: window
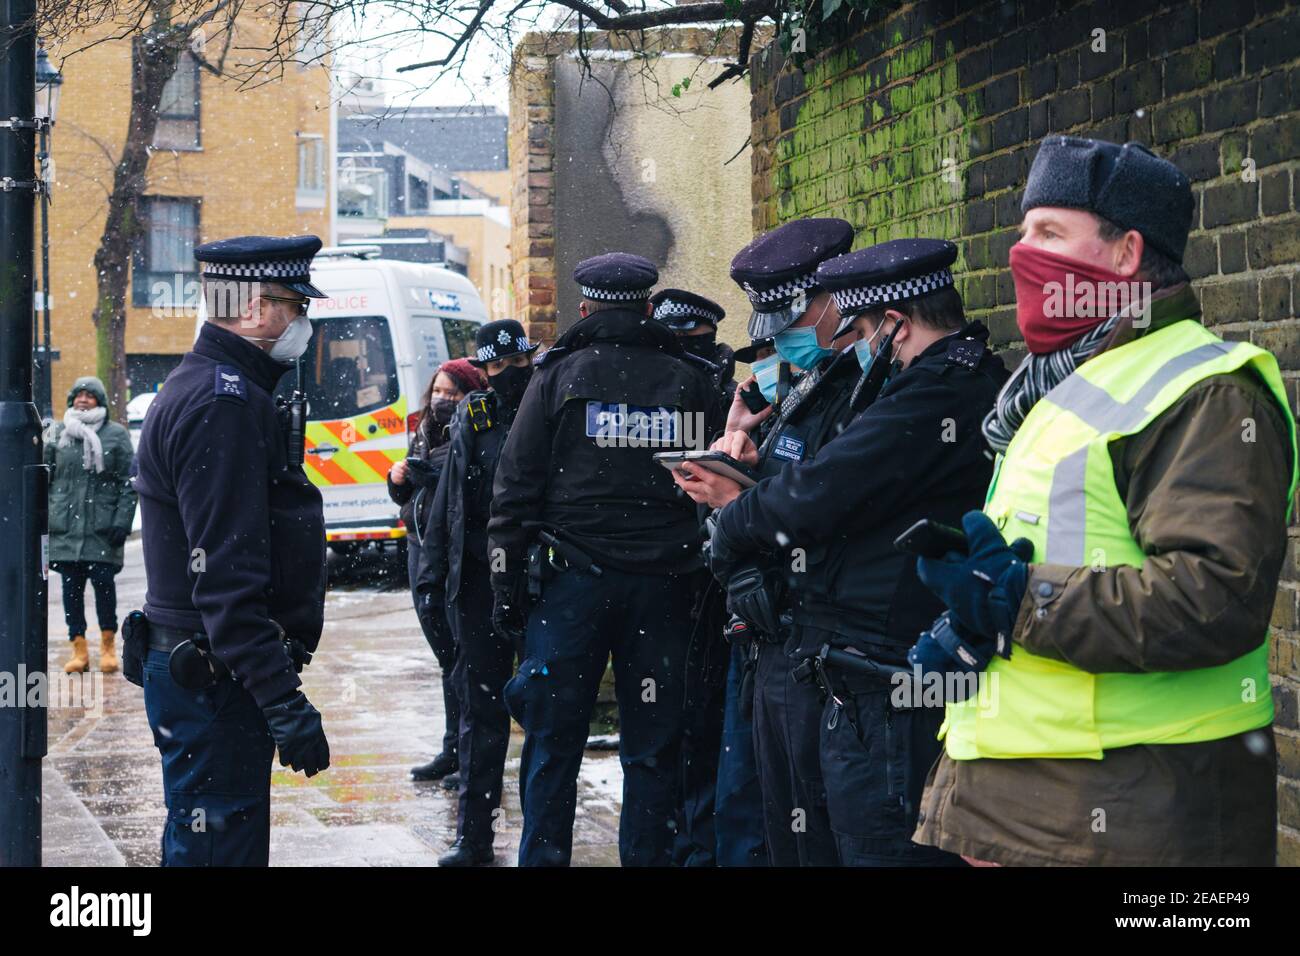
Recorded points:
(417,195)
(163,271)
(178,111)
(348,368)
(311,171)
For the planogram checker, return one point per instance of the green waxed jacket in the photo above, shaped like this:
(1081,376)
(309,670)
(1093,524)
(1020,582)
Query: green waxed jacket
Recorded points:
(86,506)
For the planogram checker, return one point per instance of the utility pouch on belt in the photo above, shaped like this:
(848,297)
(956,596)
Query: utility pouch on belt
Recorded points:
(194,667)
(537,568)
(135,645)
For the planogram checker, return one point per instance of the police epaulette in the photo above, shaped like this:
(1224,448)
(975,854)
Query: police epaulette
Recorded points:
(554,352)
(965,352)
(480,410)
(229,383)
(709,367)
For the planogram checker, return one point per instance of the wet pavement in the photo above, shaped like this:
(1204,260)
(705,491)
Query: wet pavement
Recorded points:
(376,683)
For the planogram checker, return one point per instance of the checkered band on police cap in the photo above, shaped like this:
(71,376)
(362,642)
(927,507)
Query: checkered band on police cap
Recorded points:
(859,298)
(487,353)
(668,310)
(779,293)
(274,269)
(614,295)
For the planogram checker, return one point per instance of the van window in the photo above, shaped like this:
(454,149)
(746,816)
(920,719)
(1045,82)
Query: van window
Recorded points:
(348,368)
(460,337)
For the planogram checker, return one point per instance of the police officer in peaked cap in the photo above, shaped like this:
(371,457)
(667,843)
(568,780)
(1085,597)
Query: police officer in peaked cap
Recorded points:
(596,552)
(810,385)
(234,554)
(911,449)
(695,318)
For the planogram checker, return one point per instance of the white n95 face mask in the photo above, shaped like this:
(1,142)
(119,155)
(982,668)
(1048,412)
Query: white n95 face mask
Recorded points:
(288,348)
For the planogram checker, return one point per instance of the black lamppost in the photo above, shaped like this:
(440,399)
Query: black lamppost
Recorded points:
(48,82)
(23,476)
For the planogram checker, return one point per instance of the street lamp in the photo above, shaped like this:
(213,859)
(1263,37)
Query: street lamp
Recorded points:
(48,84)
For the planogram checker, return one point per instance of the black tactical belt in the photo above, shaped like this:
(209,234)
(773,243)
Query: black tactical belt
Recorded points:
(166,638)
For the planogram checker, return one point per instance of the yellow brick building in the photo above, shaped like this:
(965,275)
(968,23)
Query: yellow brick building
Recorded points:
(227,161)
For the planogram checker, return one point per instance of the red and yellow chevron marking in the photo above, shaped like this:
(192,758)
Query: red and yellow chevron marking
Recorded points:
(366,534)
(346,467)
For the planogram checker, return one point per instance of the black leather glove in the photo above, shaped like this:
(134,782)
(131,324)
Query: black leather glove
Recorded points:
(754,596)
(508,618)
(117,537)
(300,738)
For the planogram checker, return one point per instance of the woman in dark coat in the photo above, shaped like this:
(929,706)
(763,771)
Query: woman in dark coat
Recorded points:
(92,506)
(411,484)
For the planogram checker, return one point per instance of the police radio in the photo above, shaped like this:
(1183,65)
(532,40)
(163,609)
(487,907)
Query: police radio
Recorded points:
(297,435)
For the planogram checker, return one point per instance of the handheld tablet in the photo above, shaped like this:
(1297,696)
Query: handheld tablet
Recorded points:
(715,461)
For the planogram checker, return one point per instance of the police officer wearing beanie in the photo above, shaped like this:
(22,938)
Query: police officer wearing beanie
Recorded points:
(1119,583)
(458,568)
(810,384)
(234,555)
(613,547)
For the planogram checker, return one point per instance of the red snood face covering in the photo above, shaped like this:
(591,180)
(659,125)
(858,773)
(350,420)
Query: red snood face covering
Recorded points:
(1059,299)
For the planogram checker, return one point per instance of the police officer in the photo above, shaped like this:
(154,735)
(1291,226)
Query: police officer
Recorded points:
(811,385)
(694,319)
(913,451)
(234,554)
(456,549)
(738,801)
(616,546)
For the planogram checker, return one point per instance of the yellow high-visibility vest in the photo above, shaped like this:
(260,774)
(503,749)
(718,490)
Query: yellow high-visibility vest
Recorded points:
(1056,486)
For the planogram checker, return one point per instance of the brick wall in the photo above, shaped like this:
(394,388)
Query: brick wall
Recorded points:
(925,124)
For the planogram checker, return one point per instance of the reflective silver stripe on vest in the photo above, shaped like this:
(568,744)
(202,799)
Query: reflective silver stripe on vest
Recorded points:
(1091,403)
(1068,502)
(1067,511)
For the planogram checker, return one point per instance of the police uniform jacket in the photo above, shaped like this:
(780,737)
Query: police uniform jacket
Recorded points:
(915,452)
(234,537)
(565,464)
(456,539)
(813,413)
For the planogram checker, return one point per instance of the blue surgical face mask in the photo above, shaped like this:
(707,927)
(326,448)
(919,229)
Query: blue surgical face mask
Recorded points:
(862,348)
(767,371)
(799,347)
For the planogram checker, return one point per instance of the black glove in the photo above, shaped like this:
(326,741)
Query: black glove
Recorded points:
(117,537)
(754,596)
(295,725)
(508,618)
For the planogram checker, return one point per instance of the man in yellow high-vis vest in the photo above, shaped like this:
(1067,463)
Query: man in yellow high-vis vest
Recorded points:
(1146,469)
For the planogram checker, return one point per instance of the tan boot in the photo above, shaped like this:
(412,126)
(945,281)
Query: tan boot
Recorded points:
(80,658)
(107,657)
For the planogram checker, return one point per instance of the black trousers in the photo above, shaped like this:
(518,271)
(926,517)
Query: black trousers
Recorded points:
(787,716)
(706,684)
(484,663)
(436,625)
(100,574)
(643,620)
(874,758)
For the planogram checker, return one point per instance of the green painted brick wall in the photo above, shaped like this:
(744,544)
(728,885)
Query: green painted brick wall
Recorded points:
(925,123)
